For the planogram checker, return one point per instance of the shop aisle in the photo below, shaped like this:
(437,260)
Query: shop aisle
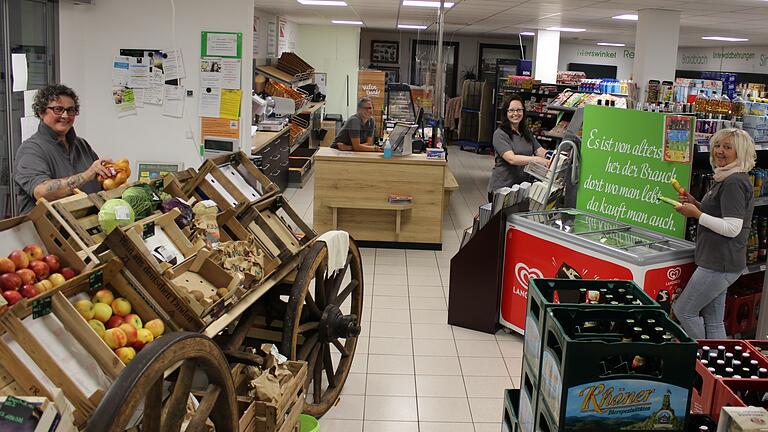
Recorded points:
(412,371)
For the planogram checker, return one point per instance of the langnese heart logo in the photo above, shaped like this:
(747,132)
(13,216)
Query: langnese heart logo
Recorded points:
(523,273)
(674,273)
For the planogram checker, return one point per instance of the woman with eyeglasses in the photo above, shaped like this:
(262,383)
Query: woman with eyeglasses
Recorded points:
(515,148)
(54,161)
(357,132)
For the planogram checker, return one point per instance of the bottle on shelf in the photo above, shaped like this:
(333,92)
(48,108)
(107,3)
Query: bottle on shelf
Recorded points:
(701,103)
(724,108)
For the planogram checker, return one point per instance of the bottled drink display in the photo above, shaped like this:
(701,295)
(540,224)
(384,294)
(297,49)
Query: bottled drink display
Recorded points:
(731,362)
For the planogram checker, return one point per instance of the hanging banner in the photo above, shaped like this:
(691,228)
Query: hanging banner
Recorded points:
(628,159)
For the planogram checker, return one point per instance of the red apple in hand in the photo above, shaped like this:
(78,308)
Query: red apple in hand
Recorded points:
(40,268)
(19,258)
(7,266)
(10,282)
(54,265)
(27,276)
(34,252)
(114,321)
(12,297)
(29,291)
(68,273)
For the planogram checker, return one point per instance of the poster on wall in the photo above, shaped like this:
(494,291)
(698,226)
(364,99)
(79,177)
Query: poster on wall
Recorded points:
(282,35)
(221,44)
(256,35)
(625,169)
(271,39)
(385,52)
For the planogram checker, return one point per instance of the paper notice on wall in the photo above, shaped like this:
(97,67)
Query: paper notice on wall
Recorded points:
(210,72)
(153,94)
(29,126)
(282,35)
(173,102)
(230,104)
(230,73)
(19,71)
(256,35)
(138,72)
(120,71)
(272,39)
(29,99)
(219,127)
(124,101)
(210,102)
(138,95)
(173,65)
(221,44)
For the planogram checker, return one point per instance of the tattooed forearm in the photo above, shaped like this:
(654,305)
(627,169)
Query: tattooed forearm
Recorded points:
(58,188)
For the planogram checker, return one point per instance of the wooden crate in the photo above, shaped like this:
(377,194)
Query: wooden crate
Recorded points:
(278,227)
(231,229)
(260,416)
(232,182)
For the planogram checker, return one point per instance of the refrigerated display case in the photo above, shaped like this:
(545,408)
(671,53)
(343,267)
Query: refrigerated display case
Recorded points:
(572,244)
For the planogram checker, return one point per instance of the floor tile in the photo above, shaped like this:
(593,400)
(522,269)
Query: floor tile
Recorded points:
(428,303)
(390,426)
(391,330)
(391,269)
(390,253)
(486,410)
(486,427)
(422,262)
(354,385)
(432,331)
(390,302)
(481,366)
(348,408)
(390,385)
(476,348)
(394,346)
(511,348)
(415,253)
(434,365)
(390,364)
(460,333)
(434,347)
(329,424)
(444,409)
(425,280)
(422,270)
(392,279)
(487,387)
(391,290)
(425,291)
(423,316)
(359,363)
(444,427)
(514,366)
(440,386)
(397,408)
(508,335)
(391,315)
(398,261)
(362,345)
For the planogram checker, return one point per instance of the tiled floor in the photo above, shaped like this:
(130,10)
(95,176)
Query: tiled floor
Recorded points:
(412,371)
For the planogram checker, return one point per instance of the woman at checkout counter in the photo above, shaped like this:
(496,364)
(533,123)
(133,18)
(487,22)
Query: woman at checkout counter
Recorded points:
(515,147)
(357,132)
(54,161)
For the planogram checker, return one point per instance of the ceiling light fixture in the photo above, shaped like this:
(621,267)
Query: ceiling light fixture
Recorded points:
(411,26)
(567,29)
(347,22)
(422,3)
(724,39)
(527,34)
(323,2)
(611,44)
(627,17)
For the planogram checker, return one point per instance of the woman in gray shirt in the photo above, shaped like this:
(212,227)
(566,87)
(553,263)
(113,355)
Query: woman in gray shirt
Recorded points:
(515,148)
(725,216)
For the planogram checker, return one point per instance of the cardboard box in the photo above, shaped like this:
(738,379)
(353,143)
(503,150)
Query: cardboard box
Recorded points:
(330,126)
(743,419)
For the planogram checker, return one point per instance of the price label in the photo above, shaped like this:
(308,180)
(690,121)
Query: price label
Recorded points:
(95,280)
(15,410)
(41,307)
(148,230)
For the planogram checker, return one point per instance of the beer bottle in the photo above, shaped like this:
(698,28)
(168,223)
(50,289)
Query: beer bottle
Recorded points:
(754,366)
(721,352)
(705,352)
(729,359)
(582,295)
(720,367)
(762,373)
(728,372)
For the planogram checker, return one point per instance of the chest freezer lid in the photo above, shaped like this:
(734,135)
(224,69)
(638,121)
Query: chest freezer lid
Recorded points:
(606,236)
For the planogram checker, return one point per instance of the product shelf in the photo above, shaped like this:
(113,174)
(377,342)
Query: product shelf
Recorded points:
(755,268)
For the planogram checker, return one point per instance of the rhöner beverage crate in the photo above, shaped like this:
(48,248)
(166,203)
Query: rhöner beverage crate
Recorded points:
(615,369)
(511,401)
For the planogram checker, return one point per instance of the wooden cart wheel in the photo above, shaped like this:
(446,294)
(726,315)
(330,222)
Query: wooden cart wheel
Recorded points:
(141,387)
(322,322)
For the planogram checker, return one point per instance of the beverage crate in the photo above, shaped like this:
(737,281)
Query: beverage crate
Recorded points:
(761,346)
(545,293)
(740,315)
(738,393)
(592,378)
(511,403)
(232,181)
(264,416)
(703,399)
(529,397)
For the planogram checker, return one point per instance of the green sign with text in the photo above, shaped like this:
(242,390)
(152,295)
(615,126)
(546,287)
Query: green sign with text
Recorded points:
(628,159)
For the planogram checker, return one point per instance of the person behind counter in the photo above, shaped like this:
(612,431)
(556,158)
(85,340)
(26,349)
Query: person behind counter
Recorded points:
(725,216)
(357,132)
(515,147)
(54,161)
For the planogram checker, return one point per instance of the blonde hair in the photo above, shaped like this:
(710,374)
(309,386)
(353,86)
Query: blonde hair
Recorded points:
(742,143)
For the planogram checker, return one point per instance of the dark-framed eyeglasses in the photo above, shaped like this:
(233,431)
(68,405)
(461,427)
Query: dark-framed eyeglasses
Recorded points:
(59,110)
(515,111)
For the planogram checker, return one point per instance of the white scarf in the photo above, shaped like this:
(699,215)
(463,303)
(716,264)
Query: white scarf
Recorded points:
(721,173)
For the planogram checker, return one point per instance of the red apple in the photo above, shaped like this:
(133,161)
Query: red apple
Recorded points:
(56,279)
(143,337)
(115,338)
(10,281)
(7,266)
(114,321)
(130,332)
(104,296)
(34,252)
(133,320)
(12,297)
(125,354)
(53,263)
(40,268)
(156,327)
(68,273)
(19,258)
(121,306)
(27,276)
(29,291)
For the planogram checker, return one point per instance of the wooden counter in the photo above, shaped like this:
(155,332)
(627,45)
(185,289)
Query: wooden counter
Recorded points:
(263,138)
(356,186)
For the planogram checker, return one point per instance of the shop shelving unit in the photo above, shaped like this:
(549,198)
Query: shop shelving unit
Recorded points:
(476,118)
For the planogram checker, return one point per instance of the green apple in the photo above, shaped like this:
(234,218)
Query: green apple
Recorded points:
(102,312)
(98,327)
(85,309)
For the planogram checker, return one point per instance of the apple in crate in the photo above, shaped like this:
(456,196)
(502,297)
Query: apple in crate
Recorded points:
(102,312)
(44,285)
(12,297)
(155,326)
(19,258)
(143,337)
(130,332)
(104,296)
(40,268)
(53,263)
(29,291)
(125,354)
(121,306)
(115,338)
(10,282)
(34,252)
(133,320)
(114,321)
(28,277)
(7,266)
(56,279)
(68,273)
(85,309)
(98,327)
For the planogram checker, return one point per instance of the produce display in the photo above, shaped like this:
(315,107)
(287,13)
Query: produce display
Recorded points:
(115,213)
(27,272)
(111,318)
(120,170)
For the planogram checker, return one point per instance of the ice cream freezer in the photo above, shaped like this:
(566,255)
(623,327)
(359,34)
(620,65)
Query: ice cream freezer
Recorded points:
(573,244)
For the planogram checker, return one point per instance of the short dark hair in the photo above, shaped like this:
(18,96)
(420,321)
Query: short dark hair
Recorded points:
(363,100)
(49,94)
(506,126)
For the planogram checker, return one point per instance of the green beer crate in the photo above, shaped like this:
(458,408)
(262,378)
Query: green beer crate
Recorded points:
(511,403)
(613,369)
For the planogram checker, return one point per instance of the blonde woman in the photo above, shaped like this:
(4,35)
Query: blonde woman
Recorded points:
(725,216)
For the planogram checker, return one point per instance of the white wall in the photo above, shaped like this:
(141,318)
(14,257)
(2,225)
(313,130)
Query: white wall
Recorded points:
(90,36)
(333,50)
(621,57)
